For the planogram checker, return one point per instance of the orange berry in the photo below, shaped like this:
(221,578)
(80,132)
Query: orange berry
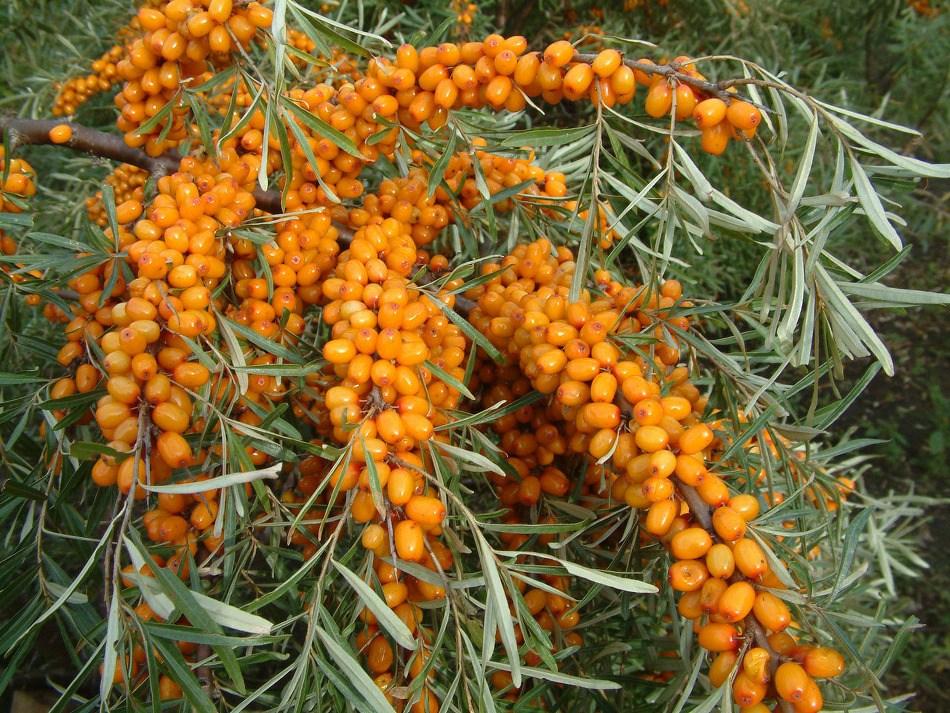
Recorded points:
(823,662)
(659,100)
(409,540)
(61,133)
(606,62)
(709,113)
(719,637)
(743,115)
(691,543)
(791,681)
(559,53)
(736,602)
(427,511)
(771,611)
(750,559)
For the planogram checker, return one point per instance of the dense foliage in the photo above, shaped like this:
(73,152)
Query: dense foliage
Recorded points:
(380,357)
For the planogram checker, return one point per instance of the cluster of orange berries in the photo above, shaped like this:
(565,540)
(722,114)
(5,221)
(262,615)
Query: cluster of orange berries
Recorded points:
(128,183)
(725,580)
(718,121)
(140,326)
(76,91)
(615,397)
(640,422)
(18,186)
(180,38)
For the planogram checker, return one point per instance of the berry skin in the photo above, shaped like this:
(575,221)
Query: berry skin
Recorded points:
(743,115)
(709,113)
(61,133)
(659,100)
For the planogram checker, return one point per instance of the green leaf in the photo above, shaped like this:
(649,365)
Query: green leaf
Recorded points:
(873,208)
(449,379)
(181,673)
(438,168)
(385,616)
(592,684)
(477,460)
(354,672)
(321,128)
(499,604)
(473,334)
(271,472)
(546,136)
(8,379)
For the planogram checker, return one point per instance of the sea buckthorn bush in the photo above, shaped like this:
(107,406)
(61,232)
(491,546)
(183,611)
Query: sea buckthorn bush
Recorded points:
(380,372)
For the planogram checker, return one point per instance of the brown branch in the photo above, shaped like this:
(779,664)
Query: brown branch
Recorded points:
(23,132)
(673,71)
(35,132)
(697,506)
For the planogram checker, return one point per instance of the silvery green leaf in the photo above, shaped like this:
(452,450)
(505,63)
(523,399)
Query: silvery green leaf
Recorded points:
(384,615)
(872,205)
(271,472)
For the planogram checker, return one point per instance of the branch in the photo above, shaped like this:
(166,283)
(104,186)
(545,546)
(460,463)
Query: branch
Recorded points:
(23,132)
(35,132)
(716,89)
(697,506)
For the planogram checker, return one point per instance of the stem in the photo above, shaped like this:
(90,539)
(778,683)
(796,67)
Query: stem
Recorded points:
(672,70)
(697,506)
(35,132)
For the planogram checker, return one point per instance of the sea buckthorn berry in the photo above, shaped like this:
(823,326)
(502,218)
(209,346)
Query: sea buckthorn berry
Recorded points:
(379,655)
(746,505)
(711,593)
(690,544)
(426,511)
(756,664)
(660,518)
(771,612)
(577,81)
(339,351)
(823,662)
(687,575)
(715,139)
(709,113)
(720,562)
(659,100)
(685,102)
(559,53)
(746,691)
(651,438)
(61,133)
(606,62)
(750,559)
(168,690)
(791,681)
(736,602)
(695,439)
(743,115)
(728,524)
(409,540)
(811,701)
(623,82)
(721,667)
(719,637)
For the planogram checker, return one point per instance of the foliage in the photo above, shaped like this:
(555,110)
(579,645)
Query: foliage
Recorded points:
(786,246)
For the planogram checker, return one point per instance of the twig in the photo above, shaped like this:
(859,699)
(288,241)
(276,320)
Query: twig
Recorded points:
(697,506)
(35,132)
(23,132)
(673,70)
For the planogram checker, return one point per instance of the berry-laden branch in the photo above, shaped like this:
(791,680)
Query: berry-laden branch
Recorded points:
(37,132)
(674,70)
